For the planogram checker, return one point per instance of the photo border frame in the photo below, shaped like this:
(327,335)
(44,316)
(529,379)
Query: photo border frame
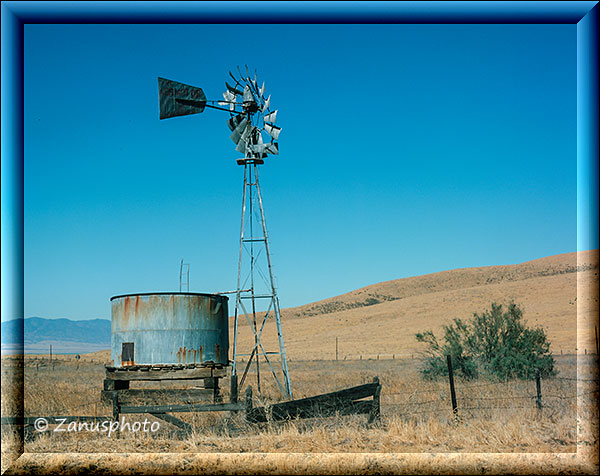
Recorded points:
(16,14)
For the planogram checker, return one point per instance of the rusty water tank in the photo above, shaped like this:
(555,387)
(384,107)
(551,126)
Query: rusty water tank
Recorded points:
(169,328)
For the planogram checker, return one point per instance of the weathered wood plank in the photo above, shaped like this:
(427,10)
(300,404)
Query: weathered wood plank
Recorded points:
(341,402)
(352,393)
(167,374)
(328,399)
(173,421)
(115,384)
(215,407)
(263,414)
(126,396)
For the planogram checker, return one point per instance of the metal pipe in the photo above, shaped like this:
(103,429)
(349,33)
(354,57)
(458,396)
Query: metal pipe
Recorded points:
(239,278)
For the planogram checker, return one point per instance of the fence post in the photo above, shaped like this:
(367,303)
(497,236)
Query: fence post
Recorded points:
(452,392)
(116,410)
(249,404)
(233,392)
(538,386)
(376,408)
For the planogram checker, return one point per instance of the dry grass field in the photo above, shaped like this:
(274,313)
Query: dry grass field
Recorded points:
(498,429)
(494,417)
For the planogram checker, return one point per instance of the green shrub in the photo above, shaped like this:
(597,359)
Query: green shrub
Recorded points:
(496,343)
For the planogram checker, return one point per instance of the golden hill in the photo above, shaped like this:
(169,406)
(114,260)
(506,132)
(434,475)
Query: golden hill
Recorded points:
(383,318)
(559,293)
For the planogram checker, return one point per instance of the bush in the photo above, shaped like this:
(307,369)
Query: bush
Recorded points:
(496,343)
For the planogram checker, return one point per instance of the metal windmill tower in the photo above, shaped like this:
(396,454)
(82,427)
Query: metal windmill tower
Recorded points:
(255,134)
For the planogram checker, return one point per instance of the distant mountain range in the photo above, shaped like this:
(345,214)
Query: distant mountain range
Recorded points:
(66,335)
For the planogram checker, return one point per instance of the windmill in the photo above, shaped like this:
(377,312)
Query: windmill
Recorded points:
(253,128)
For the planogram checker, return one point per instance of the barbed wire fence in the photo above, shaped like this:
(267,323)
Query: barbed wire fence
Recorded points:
(467,399)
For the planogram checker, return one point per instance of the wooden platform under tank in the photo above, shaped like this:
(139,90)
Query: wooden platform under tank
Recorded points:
(166,372)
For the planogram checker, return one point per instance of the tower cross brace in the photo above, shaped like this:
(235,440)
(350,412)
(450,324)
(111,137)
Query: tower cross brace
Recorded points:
(255,243)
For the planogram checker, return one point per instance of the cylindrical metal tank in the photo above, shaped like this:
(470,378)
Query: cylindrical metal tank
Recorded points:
(169,328)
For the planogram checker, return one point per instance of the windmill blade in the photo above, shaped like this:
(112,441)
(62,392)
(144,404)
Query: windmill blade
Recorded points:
(229,100)
(240,72)
(271,117)
(247,133)
(263,149)
(228,96)
(267,103)
(238,82)
(272,148)
(248,96)
(241,147)
(244,139)
(262,90)
(273,130)
(178,99)
(233,122)
(239,130)
(234,90)
(257,148)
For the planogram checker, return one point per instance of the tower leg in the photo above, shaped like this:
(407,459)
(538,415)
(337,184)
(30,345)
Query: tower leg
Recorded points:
(252,244)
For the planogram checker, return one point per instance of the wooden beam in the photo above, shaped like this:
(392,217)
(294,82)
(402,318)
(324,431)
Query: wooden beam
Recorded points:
(166,374)
(126,396)
(216,407)
(173,421)
(348,394)
(115,384)
(341,402)
(263,414)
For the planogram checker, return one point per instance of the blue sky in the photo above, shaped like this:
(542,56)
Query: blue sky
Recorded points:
(406,150)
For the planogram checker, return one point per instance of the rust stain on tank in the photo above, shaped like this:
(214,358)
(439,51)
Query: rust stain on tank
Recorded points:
(217,352)
(125,315)
(125,363)
(200,351)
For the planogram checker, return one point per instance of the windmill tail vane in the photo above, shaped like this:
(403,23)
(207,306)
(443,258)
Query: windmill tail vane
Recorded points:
(251,121)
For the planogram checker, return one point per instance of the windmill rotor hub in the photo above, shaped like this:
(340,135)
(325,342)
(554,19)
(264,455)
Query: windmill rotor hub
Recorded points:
(250,106)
